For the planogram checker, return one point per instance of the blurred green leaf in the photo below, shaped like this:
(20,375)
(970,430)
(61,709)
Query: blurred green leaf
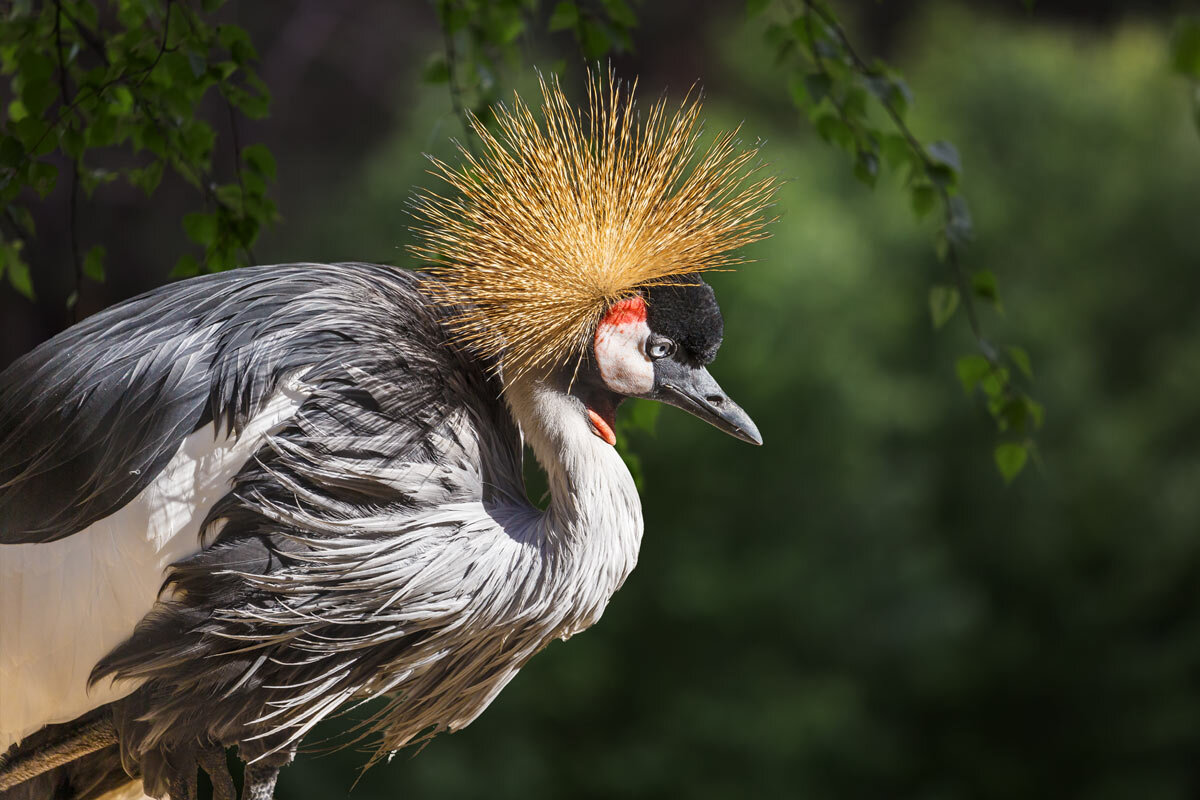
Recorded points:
(832,129)
(854,105)
(1010,459)
(11,152)
(971,371)
(148,177)
(1185,46)
(1021,358)
(23,219)
(818,86)
(37,95)
(995,383)
(1036,410)
(201,228)
(436,70)
(72,141)
(260,160)
(983,285)
(93,263)
(121,100)
(943,302)
(17,269)
(620,13)
(798,91)
(896,150)
(42,177)
(866,167)
(945,153)
(17,110)
(594,39)
(756,7)
(564,17)
(923,199)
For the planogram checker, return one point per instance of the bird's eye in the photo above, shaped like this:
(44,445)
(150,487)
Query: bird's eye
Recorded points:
(660,348)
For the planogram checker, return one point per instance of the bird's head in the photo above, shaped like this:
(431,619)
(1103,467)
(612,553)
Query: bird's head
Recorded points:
(657,345)
(573,248)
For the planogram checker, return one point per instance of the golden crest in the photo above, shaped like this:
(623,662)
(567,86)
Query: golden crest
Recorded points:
(555,222)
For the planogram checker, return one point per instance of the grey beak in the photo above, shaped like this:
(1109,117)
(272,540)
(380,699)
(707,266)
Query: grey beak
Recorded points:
(696,391)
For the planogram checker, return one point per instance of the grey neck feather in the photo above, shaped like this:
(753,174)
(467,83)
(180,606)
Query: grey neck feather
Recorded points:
(595,515)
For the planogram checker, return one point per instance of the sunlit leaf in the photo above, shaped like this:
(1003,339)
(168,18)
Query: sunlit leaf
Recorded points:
(971,370)
(19,278)
(1010,459)
(93,263)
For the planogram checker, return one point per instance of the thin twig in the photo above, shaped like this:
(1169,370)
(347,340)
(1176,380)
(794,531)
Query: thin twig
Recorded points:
(838,107)
(86,34)
(162,47)
(456,101)
(237,166)
(73,199)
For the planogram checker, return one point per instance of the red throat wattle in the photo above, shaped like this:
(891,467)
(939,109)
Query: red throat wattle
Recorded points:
(603,426)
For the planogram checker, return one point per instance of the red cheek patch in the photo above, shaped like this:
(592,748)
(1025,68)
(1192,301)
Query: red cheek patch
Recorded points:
(619,347)
(629,311)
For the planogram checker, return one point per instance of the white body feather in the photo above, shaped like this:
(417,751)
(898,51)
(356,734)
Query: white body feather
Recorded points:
(65,604)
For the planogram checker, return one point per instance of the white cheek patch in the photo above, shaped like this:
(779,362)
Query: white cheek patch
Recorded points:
(621,348)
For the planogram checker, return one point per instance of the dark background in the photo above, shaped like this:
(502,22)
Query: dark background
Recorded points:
(860,608)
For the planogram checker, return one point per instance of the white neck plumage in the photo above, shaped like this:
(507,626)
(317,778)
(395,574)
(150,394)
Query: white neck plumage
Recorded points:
(593,526)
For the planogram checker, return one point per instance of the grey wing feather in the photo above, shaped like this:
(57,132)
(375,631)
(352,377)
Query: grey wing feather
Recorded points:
(88,418)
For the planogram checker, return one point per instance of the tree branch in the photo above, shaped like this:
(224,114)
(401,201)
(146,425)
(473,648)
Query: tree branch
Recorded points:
(237,166)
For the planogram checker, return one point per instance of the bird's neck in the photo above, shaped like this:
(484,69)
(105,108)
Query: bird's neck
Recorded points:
(595,516)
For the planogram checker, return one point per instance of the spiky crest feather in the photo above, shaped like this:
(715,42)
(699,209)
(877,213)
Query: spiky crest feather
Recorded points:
(554,223)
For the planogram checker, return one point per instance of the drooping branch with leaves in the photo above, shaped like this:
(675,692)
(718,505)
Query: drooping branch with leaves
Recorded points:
(87,77)
(861,107)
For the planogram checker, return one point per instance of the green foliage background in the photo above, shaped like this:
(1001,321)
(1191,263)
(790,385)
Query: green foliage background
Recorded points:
(860,608)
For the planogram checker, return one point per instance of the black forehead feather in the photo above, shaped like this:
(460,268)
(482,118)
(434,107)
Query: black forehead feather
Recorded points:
(685,309)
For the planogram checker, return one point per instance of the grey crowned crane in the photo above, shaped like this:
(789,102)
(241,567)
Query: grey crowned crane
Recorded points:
(232,506)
